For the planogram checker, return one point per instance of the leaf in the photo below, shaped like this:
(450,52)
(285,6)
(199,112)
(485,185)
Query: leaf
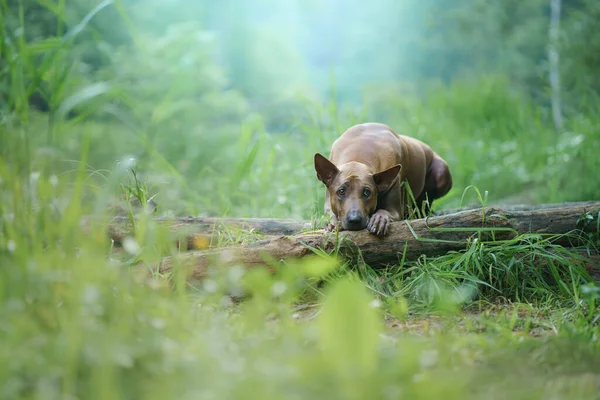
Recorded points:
(243,168)
(45,45)
(319,267)
(77,29)
(54,8)
(349,331)
(167,110)
(87,93)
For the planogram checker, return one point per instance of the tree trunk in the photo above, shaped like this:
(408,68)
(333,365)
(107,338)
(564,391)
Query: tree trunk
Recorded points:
(553,58)
(408,239)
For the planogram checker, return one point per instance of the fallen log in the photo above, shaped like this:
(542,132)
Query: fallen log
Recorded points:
(520,207)
(200,233)
(409,240)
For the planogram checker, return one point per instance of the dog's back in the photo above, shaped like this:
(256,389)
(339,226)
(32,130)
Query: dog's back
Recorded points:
(379,147)
(373,144)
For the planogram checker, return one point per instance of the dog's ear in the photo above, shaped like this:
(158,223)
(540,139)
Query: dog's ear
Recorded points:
(326,170)
(385,179)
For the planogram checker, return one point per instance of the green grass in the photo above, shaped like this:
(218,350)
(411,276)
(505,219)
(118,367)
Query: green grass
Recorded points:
(82,318)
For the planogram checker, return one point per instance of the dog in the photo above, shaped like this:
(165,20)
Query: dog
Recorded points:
(364,176)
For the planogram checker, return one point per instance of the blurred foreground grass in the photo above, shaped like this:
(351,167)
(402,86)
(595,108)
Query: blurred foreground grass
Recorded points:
(81,319)
(79,322)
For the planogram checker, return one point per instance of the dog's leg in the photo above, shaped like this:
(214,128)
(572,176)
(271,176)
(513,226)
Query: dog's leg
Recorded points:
(438,182)
(333,221)
(380,221)
(390,208)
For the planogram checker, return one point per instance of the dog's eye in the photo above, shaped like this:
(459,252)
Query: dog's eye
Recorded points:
(367,192)
(341,192)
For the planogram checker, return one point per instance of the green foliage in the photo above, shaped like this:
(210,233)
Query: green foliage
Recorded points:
(512,41)
(217,109)
(349,329)
(187,112)
(580,59)
(87,325)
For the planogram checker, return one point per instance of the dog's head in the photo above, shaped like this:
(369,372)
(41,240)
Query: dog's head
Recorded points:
(353,189)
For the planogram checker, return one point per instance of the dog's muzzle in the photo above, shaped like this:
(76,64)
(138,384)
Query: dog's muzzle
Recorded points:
(355,220)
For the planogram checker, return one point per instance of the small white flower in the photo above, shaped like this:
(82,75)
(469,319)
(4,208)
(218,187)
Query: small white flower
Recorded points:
(227,256)
(11,246)
(236,273)
(34,177)
(226,301)
(131,246)
(375,303)
(576,141)
(127,162)
(428,358)
(278,288)
(53,180)
(158,323)
(91,294)
(210,285)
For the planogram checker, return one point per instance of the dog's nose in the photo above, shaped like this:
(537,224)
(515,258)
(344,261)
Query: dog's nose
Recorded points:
(354,218)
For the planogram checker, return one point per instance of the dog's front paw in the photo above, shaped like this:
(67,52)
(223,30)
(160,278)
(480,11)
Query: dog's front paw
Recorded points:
(332,225)
(379,223)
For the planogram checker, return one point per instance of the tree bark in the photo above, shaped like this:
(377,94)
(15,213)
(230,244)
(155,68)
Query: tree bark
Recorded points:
(553,58)
(202,233)
(408,239)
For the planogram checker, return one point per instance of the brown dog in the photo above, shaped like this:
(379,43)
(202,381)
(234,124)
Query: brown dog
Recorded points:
(364,173)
